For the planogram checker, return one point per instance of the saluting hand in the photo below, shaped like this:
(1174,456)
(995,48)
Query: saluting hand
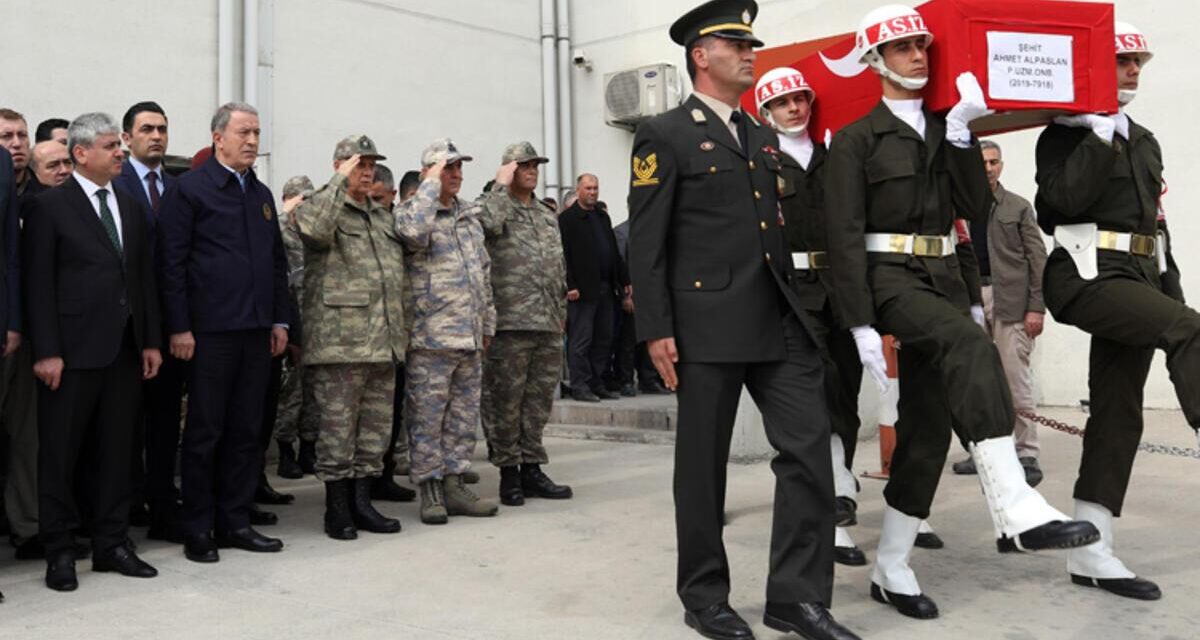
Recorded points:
(664,356)
(433,171)
(504,176)
(348,165)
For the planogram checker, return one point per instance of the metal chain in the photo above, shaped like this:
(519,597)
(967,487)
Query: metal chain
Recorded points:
(1148,447)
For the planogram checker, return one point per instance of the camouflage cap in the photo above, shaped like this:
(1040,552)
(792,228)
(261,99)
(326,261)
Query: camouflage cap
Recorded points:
(521,152)
(360,144)
(297,186)
(442,149)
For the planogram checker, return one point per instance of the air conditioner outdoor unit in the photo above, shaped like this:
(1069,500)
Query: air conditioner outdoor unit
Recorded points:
(634,95)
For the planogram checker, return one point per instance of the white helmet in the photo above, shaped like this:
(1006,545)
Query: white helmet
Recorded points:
(776,83)
(1130,39)
(887,24)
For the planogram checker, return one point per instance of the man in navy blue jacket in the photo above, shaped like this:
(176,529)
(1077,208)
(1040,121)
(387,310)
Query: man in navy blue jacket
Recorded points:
(224,290)
(144,132)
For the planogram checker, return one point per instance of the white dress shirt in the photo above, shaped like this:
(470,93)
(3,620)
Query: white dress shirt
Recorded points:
(723,111)
(90,188)
(141,171)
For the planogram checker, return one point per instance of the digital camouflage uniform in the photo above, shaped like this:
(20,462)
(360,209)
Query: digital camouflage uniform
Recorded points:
(295,414)
(448,297)
(354,325)
(523,366)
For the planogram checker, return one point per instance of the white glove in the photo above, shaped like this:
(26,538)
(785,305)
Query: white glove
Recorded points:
(971,106)
(978,316)
(828,139)
(870,352)
(1101,125)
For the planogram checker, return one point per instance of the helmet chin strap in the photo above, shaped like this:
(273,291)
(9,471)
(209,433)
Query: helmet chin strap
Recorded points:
(876,62)
(1125,96)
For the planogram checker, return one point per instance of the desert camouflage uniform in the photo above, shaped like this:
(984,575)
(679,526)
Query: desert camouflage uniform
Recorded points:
(524,364)
(449,301)
(354,326)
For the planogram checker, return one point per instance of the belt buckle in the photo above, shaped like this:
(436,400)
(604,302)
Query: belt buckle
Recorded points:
(1142,245)
(927,246)
(1106,240)
(818,260)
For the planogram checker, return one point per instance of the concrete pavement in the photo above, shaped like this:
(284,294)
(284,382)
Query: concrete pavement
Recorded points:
(602,565)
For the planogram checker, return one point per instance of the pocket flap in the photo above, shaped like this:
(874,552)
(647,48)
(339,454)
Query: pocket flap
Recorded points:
(888,167)
(701,277)
(708,163)
(346,298)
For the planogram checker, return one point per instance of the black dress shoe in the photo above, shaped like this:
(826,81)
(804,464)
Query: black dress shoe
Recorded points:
(628,390)
(248,540)
(1052,535)
(60,571)
(605,394)
(124,562)
(845,512)
(1033,472)
(964,467)
(1136,588)
(928,540)
(260,518)
(385,488)
(200,549)
(654,388)
(266,494)
(719,622)
(919,606)
(584,395)
(849,556)
(809,619)
(511,494)
(534,482)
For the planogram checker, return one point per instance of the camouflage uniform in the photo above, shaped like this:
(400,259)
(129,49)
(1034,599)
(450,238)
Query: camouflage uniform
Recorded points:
(449,299)
(293,415)
(354,322)
(524,363)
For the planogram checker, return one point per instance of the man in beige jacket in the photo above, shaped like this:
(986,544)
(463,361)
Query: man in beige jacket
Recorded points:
(1012,255)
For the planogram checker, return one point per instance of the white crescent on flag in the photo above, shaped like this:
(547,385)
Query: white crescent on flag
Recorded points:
(846,67)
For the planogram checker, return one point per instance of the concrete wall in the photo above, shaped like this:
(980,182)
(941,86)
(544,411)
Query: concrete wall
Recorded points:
(620,34)
(406,72)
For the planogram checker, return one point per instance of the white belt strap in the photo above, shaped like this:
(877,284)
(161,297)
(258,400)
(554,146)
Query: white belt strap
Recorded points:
(911,244)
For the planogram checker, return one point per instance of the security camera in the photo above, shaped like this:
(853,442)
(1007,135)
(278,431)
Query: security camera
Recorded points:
(579,57)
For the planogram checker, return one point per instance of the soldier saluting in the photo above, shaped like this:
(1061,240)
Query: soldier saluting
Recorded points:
(895,180)
(709,266)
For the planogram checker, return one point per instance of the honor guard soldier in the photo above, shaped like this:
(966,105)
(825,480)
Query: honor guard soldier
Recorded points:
(710,268)
(894,182)
(1112,274)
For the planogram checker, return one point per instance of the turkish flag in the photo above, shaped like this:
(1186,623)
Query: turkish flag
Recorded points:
(1035,59)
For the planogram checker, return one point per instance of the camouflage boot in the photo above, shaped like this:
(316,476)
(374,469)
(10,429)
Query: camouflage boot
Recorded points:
(433,502)
(461,502)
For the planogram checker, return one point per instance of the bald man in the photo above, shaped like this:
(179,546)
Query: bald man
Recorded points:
(51,163)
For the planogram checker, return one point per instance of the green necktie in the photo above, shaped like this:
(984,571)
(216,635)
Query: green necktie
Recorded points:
(106,219)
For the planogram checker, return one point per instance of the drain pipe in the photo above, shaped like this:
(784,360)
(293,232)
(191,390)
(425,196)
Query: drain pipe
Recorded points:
(225,62)
(550,174)
(566,129)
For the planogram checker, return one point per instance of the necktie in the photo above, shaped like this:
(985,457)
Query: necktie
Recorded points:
(106,219)
(740,122)
(152,179)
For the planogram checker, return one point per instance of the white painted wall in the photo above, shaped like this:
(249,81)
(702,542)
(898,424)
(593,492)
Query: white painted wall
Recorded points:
(619,34)
(406,72)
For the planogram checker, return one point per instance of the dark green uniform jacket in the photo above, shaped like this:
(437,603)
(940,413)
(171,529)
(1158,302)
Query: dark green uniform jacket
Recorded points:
(881,177)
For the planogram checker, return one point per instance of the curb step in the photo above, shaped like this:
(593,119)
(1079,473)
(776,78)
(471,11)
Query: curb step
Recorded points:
(610,433)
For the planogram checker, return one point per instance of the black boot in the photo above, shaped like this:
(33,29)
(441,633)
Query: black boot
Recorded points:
(510,487)
(339,524)
(385,487)
(539,485)
(365,515)
(266,494)
(307,459)
(288,467)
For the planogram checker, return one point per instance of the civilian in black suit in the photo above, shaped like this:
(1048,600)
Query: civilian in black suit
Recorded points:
(11,264)
(142,177)
(224,275)
(596,278)
(94,327)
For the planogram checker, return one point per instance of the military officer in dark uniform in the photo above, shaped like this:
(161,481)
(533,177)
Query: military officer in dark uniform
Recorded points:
(709,267)
(894,182)
(1112,275)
